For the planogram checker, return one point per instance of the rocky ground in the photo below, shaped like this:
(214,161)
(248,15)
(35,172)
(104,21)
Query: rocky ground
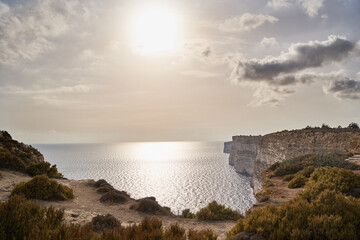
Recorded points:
(86,205)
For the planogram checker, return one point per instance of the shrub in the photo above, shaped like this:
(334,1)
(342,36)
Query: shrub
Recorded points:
(215,211)
(113,196)
(102,183)
(321,211)
(353,125)
(206,234)
(43,188)
(288,177)
(101,222)
(20,218)
(175,232)
(148,206)
(186,213)
(0,175)
(43,168)
(297,182)
(332,178)
(297,164)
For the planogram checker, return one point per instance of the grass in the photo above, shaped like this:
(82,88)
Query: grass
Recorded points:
(43,188)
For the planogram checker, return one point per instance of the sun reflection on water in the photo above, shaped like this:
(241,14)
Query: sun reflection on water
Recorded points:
(157,151)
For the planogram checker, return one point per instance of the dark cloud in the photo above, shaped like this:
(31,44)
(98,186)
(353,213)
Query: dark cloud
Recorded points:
(344,89)
(300,56)
(206,52)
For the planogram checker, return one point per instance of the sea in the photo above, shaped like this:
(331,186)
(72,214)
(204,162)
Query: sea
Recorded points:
(179,175)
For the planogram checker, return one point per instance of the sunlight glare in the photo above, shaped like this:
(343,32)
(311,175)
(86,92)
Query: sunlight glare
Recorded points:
(158,151)
(156,30)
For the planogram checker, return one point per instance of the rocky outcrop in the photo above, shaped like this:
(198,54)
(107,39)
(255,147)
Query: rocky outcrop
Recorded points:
(253,154)
(227,147)
(15,155)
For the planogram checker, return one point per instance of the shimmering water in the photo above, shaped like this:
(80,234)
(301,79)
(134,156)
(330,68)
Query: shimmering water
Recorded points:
(179,174)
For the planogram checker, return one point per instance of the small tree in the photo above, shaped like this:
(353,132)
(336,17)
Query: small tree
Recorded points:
(353,125)
(325,126)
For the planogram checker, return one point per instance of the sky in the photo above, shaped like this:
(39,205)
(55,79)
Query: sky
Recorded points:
(191,70)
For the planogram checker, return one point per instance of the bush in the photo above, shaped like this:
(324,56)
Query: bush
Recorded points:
(297,182)
(43,168)
(215,211)
(20,218)
(353,125)
(288,177)
(321,211)
(186,213)
(0,175)
(100,222)
(297,164)
(175,232)
(206,234)
(43,188)
(114,196)
(148,206)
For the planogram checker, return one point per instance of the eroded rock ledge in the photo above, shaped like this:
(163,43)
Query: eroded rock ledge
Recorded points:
(253,154)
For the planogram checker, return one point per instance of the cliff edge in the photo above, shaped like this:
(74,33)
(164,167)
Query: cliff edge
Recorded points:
(251,155)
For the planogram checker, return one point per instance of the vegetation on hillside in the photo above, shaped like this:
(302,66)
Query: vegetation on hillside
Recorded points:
(351,126)
(321,211)
(212,212)
(43,188)
(43,168)
(25,219)
(294,165)
(14,155)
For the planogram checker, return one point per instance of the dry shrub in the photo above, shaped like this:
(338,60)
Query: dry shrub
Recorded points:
(114,196)
(148,205)
(101,222)
(206,234)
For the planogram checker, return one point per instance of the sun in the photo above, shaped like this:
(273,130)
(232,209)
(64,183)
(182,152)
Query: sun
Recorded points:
(156,30)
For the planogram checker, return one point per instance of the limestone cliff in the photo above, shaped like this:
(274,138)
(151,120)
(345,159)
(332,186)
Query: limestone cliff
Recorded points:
(15,155)
(253,154)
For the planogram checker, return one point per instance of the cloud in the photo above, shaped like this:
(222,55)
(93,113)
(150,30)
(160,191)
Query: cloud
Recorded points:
(345,88)
(51,96)
(246,22)
(30,29)
(3,8)
(269,42)
(300,56)
(278,4)
(199,74)
(311,7)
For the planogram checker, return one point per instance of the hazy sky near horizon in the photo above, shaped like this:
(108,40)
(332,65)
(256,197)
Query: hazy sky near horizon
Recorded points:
(110,70)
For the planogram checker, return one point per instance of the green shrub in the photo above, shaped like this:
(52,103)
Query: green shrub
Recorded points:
(215,211)
(321,211)
(186,213)
(297,182)
(43,188)
(288,177)
(21,218)
(43,168)
(297,164)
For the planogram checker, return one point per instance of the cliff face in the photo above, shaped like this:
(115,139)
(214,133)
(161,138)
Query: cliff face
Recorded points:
(15,155)
(252,155)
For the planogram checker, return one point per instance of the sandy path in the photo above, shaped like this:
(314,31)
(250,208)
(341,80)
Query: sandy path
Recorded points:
(86,205)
